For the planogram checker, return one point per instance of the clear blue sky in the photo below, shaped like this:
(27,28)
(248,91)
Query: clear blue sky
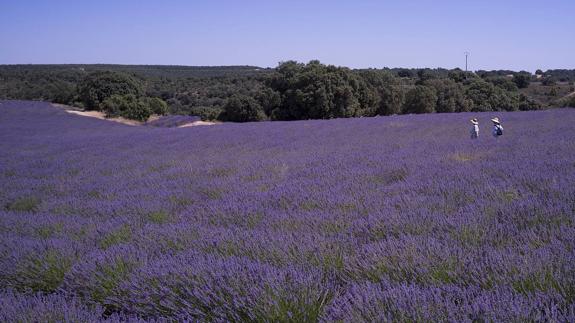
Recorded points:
(500,34)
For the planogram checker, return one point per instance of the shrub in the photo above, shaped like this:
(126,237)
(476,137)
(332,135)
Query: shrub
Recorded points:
(157,105)
(522,80)
(99,86)
(242,108)
(421,99)
(123,234)
(24,204)
(392,98)
(487,97)
(526,103)
(548,81)
(43,272)
(127,106)
(450,96)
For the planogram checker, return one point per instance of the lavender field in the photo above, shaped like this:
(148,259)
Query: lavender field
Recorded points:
(400,218)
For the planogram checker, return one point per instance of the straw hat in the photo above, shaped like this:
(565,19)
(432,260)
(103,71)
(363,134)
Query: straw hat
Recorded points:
(474,121)
(496,120)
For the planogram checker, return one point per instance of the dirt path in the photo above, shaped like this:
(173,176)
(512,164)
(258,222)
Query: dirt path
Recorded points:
(102,116)
(198,123)
(96,115)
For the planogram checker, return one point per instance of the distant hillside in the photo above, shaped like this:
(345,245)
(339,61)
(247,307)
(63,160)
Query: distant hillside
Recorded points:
(549,95)
(292,91)
(142,70)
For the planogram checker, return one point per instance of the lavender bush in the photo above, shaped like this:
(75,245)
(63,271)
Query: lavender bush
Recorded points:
(399,218)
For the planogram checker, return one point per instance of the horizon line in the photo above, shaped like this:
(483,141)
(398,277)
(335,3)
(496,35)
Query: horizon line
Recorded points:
(260,67)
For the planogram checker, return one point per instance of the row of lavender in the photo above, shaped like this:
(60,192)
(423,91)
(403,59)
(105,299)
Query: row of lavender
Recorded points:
(394,218)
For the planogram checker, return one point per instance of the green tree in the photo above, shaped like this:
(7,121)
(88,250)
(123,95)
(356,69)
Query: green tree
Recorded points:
(317,91)
(242,108)
(392,98)
(405,72)
(522,79)
(487,97)
(128,106)
(424,75)
(504,83)
(450,95)
(460,76)
(420,99)
(61,92)
(480,93)
(269,100)
(98,86)
(157,105)
(548,81)
(526,103)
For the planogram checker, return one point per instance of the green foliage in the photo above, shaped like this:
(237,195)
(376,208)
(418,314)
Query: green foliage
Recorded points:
(109,278)
(157,105)
(292,91)
(450,96)
(269,100)
(242,108)
(123,234)
(316,91)
(481,94)
(423,76)
(526,103)
(460,76)
(504,83)
(420,99)
(294,309)
(487,97)
(127,106)
(49,230)
(392,98)
(522,80)
(42,274)
(404,72)
(548,81)
(538,281)
(159,217)
(99,86)
(24,204)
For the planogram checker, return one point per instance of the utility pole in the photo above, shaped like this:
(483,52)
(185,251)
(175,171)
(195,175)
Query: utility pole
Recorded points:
(466,54)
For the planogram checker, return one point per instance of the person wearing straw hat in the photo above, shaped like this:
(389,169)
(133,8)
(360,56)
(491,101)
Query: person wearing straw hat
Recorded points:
(474,129)
(497,128)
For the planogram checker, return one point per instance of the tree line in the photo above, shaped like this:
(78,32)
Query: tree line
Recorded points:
(291,91)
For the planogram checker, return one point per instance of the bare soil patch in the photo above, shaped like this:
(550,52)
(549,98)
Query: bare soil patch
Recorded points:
(198,123)
(102,116)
